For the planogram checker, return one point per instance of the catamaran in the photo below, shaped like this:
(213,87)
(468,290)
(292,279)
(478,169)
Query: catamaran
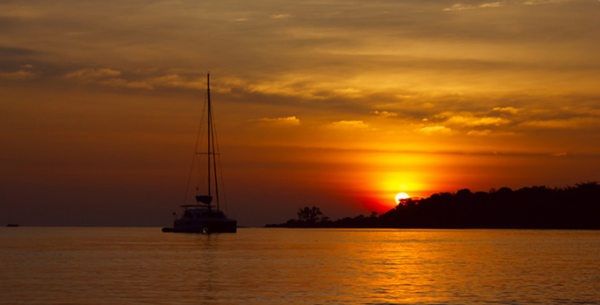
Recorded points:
(203,217)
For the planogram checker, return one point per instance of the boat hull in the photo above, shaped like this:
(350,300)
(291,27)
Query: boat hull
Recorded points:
(220,226)
(207,226)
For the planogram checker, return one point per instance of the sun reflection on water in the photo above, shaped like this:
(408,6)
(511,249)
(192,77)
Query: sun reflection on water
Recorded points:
(318,266)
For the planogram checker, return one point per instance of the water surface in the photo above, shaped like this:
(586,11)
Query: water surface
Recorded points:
(298,266)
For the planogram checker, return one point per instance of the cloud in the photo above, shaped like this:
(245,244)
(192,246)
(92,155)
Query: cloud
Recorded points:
(479,133)
(435,129)
(460,6)
(560,154)
(471,120)
(18,75)
(92,74)
(16,51)
(118,82)
(571,123)
(280,16)
(288,121)
(145,71)
(175,80)
(114,78)
(345,125)
(493,4)
(106,77)
(384,114)
(178,81)
(534,2)
(510,110)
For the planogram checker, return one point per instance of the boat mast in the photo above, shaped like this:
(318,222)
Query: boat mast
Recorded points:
(211,144)
(215,164)
(209,124)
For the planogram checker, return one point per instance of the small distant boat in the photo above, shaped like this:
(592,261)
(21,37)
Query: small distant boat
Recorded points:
(203,217)
(12,225)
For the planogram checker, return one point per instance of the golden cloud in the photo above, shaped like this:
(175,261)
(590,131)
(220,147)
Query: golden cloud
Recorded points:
(534,2)
(435,129)
(91,74)
(290,121)
(118,82)
(177,81)
(476,121)
(384,114)
(510,110)
(460,6)
(106,77)
(345,125)
(493,4)
(479,133)
(18,75)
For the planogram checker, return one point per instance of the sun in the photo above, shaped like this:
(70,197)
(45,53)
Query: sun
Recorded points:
(401,196)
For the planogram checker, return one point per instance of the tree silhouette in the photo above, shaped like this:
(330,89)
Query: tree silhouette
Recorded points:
(537,207)
(309,215)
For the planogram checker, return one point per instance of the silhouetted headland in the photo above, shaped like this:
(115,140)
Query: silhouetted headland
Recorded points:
(537,207)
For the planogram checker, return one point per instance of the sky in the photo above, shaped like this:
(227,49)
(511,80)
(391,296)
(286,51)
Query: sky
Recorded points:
(338,104)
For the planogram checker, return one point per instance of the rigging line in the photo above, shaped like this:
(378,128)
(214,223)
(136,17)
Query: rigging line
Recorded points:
(198,138)
(223,184)
(199,177)
(224,193)
(215,163)
(212,133)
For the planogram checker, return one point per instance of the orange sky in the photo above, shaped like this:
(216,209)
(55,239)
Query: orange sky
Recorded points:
(338,104)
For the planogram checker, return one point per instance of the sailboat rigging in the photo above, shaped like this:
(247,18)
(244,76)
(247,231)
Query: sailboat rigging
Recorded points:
(202,217)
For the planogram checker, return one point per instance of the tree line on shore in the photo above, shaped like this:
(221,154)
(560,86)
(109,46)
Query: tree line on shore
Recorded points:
(537,207)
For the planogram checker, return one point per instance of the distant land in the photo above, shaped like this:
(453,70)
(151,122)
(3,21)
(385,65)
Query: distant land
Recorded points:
(537,207)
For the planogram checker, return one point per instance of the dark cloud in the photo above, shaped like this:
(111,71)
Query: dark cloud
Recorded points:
(16,52)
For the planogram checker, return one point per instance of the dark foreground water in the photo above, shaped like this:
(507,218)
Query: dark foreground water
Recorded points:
(287,266)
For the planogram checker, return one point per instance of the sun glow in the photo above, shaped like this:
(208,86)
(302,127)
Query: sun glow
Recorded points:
(401,196)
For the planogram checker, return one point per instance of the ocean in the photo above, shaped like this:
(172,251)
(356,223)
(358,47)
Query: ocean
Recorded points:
(298,266)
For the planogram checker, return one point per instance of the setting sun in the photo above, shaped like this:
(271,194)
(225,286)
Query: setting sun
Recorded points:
(401,196)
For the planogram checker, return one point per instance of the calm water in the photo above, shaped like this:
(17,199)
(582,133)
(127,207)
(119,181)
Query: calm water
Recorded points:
(286,266)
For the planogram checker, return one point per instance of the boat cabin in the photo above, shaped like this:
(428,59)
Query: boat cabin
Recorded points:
(203,213)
